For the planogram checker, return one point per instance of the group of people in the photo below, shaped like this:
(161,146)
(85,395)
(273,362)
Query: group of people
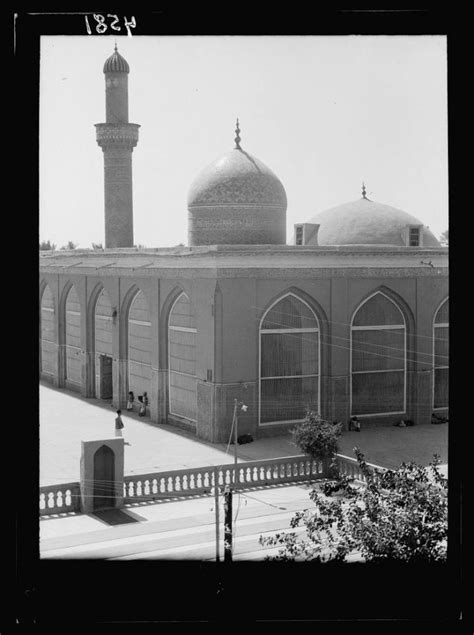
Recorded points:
(143,401)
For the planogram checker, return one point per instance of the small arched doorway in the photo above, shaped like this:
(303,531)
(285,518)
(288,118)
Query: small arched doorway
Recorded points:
(104,478)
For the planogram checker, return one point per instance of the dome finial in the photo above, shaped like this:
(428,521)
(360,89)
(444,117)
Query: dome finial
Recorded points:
(115,47)
(363,190)
(237,138)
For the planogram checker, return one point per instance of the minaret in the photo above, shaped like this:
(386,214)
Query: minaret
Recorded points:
(117,138)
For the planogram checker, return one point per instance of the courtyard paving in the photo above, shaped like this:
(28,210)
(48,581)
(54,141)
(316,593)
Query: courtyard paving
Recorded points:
(66,419)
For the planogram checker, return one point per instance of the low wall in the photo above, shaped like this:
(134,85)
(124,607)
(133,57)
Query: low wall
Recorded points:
(60,499)
(200,481)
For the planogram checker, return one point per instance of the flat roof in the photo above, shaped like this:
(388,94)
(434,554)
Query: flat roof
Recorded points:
(239,259)
(181,250)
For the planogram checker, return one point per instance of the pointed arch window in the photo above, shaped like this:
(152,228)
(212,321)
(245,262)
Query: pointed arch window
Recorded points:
(139,346)
(182,359)
(378,358)
(289,361)
(73,338)
(103,345)
(103,324)
(49,349)
(441,357)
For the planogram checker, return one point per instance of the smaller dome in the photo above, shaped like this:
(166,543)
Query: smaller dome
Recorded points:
(366,222)
(116,63)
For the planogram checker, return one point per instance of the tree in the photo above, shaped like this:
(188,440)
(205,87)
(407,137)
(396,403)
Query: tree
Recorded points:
(46,245)
(97,246)
(69,245)
(444,238)
(317,437)
(398,515)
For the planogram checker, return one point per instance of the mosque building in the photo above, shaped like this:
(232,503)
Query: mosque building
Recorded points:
(351,318)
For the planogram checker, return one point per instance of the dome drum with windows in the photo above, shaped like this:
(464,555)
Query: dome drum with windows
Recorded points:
(237,200)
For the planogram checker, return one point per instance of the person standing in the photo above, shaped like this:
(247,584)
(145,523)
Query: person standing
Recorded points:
(130,400)
(118,424)
(143,404)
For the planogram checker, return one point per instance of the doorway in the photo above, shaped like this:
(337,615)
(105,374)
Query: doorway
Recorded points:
(104,474)
(105,377)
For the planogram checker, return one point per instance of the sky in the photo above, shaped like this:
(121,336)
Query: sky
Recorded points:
(324,113)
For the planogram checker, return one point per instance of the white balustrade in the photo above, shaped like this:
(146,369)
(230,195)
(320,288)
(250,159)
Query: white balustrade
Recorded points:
(59,499)
(195,481)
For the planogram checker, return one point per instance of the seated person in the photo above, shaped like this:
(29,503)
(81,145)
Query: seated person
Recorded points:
(354,424)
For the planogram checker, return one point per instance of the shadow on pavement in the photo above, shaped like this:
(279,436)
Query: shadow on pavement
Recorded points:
(117,517)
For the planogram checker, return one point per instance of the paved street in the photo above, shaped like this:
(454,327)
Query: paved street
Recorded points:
(176,530)
(185,529)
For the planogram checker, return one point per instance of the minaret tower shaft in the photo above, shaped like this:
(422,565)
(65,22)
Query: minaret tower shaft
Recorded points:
(117,138)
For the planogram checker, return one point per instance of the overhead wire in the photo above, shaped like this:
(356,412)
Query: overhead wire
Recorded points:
(331,344)
(301,337)
(327,321)
(359,350)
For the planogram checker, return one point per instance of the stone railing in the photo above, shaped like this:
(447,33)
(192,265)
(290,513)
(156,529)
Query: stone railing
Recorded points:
(349,467)
(200,481)
(59,499)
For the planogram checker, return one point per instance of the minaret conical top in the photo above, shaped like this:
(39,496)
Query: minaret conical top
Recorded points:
(237,138)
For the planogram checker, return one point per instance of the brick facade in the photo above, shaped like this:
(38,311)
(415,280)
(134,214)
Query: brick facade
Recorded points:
(230,289)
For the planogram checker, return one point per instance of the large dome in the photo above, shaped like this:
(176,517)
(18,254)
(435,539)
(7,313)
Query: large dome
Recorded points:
(237,200)
(366,222)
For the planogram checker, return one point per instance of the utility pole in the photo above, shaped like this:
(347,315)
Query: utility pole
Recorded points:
(216,503)
(228,524)
(229,489)
(235,425)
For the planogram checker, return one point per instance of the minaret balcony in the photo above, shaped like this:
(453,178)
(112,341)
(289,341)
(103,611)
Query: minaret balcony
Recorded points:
(117,134)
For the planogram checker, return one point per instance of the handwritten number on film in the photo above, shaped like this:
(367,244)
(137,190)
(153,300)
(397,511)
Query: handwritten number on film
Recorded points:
(102,26)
